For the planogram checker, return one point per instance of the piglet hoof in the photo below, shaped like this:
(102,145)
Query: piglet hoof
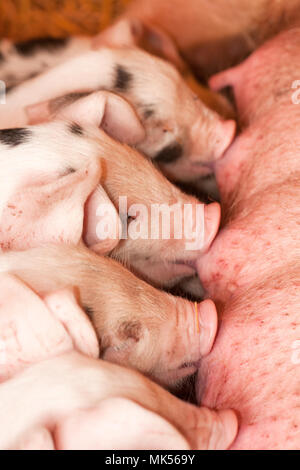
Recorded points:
(207,324)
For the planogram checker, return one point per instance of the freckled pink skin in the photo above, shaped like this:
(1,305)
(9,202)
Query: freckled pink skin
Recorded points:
(252,269)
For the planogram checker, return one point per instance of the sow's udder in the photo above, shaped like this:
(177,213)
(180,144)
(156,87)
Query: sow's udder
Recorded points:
(254,367)
(252,270)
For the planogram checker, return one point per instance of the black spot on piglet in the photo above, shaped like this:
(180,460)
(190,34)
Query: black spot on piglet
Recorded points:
(27,48)
(169,154)
(148,112)
(123,78)
(1,57)
(76,128)
(14,137)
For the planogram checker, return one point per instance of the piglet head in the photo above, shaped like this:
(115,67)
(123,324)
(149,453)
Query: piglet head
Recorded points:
(184,133)
(206,141)
(164,230)
(159,231)
(157,111)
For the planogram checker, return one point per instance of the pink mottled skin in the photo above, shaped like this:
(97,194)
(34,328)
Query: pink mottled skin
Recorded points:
(252,270)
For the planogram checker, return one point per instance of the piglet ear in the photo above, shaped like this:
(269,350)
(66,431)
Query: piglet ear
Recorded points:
(124,33)
(121,122)
(50,213)
(157,42)
(100,109)
(132,32)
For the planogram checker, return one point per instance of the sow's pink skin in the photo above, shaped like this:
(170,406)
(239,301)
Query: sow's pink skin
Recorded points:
(252,269)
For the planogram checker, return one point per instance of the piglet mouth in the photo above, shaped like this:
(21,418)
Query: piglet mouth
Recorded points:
(190,365)
(191,263)
(177,376)
(206,167)
(180,268)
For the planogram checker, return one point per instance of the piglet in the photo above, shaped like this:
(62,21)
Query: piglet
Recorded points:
(138,326)
(162,257)
(75,402)
(21,61)
(47,194)
(181,134)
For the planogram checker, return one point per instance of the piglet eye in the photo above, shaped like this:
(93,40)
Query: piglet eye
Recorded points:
(130,218)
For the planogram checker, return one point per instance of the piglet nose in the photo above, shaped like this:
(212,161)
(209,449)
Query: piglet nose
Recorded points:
(212,219)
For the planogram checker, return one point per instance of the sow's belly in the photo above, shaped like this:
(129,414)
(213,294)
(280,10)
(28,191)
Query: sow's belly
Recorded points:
(254,367)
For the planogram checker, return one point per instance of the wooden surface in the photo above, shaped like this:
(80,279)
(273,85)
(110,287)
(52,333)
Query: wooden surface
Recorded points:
(26,19)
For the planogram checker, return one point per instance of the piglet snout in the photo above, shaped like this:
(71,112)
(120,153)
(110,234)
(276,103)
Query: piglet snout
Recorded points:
(212,214)
(205,222)
(196,328)
(208,322)
(211,139)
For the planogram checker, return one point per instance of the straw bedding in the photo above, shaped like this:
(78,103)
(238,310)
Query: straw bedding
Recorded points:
(27,19)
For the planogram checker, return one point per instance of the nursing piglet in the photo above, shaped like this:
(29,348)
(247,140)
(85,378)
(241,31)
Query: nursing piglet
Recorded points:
(73,402)
(138,326)
(181,134)
(36,155)
(21,61)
